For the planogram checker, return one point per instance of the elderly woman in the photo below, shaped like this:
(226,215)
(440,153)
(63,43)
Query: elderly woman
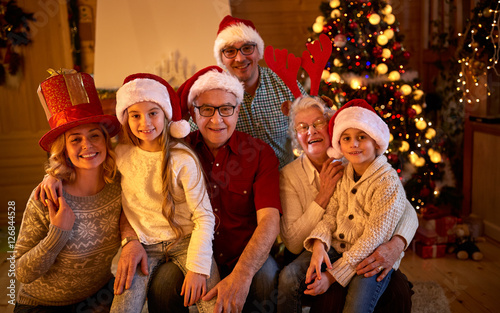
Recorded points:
(306,186)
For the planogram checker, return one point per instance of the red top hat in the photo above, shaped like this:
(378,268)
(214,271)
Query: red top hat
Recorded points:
(70,100)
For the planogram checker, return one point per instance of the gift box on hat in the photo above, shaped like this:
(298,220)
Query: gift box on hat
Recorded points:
(70,99)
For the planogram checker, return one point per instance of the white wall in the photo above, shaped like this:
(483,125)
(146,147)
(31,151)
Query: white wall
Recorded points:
(170,38)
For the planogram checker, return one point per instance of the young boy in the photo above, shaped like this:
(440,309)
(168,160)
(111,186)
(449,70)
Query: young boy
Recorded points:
(364,210)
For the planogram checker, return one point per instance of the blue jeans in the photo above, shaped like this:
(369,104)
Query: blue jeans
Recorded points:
(363,293)
(133,299)
(291,285)
(262,297)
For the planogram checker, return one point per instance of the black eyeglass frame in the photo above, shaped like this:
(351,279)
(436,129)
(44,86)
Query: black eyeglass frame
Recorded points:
(216,109)
(240,50)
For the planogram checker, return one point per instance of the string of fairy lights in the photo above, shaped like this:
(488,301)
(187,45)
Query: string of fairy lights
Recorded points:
(473,72)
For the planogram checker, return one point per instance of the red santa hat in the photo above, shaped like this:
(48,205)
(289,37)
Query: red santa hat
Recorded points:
(142,87)
(209,78)
(357,114)
(233,30)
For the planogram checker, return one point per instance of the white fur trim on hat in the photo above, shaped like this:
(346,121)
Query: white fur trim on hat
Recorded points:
(180,129)
(216,80)
(363,119)
(140,90)
(233,34)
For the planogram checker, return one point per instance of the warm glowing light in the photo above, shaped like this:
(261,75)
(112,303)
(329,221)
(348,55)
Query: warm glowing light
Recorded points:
(325,75)
(334,77)
(420,162)
(390,19)
(382,68)
(431,133)
(334,3)
(318,27)
(335,13)
(355,83)
(421,124)
(406,89)
(417,108)
(389,33)
(436,158)
(337,63)
(405,146)
(387,9)
(391,137)
(374,19)
(320,19)
(382,40)
(386,53)
(417,95)
(394,75)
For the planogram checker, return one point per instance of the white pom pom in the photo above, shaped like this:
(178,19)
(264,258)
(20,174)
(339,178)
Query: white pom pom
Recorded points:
(180,129)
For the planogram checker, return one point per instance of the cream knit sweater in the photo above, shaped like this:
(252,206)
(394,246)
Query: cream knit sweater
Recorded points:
(361,216)
(301,214)
(142,201)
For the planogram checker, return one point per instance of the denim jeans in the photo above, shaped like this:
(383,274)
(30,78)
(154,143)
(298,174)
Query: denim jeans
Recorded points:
(262,296)
(363,293)
(133,299)
(291,284)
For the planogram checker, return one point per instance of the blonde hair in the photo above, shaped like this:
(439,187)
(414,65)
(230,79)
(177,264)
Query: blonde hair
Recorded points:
(304,103)
(168,144)
(60,167)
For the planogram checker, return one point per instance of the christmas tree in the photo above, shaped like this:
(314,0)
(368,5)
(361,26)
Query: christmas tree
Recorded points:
(368,61)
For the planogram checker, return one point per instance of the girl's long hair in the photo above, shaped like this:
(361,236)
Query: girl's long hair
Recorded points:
(60,166)
(168,144)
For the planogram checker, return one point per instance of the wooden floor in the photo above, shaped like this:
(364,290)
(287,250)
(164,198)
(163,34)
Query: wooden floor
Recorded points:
(470,286)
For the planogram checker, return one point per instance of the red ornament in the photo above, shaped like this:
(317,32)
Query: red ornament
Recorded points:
(396,46)
(371,98)
(411,113)
(425,192)
(353,25)
(406,55)
(393,158)
(377,51)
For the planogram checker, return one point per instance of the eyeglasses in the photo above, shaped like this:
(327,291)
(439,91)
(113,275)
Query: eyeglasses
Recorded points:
(231,53)
(209,111)
(303,128)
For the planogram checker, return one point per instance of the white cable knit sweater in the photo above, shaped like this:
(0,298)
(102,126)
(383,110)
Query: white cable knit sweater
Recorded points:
(142,201)
(361,216)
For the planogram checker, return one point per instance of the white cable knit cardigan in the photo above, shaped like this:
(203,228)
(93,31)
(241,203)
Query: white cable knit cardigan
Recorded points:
(361,216)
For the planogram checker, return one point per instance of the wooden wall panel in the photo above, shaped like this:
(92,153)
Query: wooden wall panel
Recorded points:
(22,120)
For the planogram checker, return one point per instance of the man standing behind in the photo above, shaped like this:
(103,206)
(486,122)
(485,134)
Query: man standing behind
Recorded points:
(238,49)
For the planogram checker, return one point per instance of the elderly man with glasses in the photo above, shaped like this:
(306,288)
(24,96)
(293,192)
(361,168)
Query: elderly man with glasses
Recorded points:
(238,49)
(243,184)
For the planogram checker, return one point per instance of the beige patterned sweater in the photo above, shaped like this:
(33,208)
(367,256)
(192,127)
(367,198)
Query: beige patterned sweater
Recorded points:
(361,216)
(57,267)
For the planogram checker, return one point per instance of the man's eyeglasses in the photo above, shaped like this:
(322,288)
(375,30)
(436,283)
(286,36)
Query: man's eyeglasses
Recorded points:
(209,111)
(231,52)
(303,128)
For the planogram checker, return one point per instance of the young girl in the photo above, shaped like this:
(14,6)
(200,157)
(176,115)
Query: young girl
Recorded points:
(164,196)
(65,248)
(362,214)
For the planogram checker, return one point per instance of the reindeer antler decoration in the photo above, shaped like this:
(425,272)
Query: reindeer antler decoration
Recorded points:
(315,69)
(279,65)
